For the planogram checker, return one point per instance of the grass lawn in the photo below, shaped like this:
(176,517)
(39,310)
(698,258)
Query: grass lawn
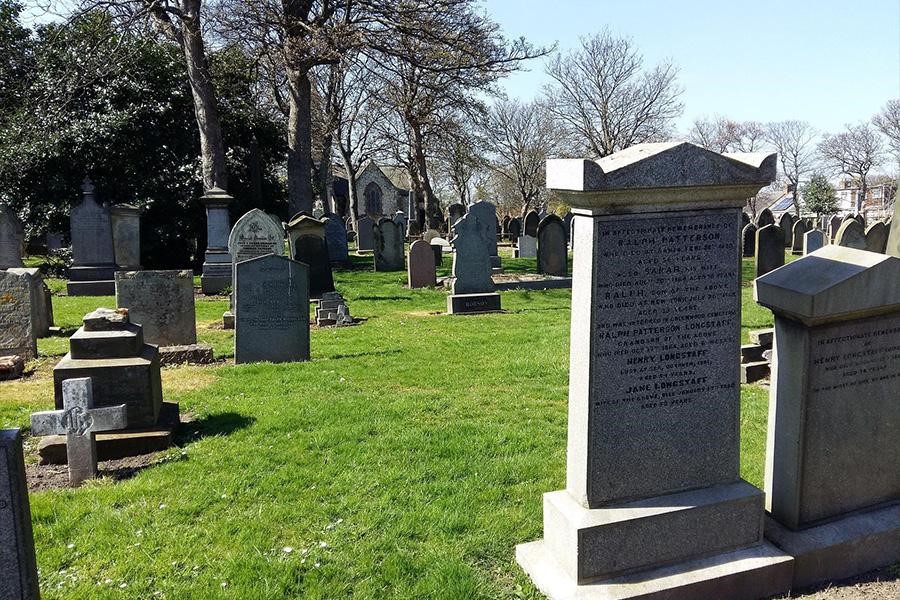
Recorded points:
(405,460)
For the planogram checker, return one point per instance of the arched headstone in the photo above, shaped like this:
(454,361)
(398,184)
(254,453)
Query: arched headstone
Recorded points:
(851,234)
(552,250)
(748,240)
(877,237)
(769,249)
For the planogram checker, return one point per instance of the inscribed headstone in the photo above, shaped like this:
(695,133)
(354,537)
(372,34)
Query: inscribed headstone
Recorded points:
(851,235)
(389,246)
(336,239)
(471,261)
(255,234)
(18,565)
(769,249)
(17,331)
(162,302)
(421,269)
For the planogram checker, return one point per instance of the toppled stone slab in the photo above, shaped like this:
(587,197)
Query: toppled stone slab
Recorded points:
(197,354)
(106,319)
(333,311)
(11,367)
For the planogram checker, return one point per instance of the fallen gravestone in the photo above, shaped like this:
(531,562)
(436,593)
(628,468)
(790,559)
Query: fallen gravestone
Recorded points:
(769,249)
(552,250)
(271,295)
(12,239)
(389,246)
(79,421)
(832,477)
(333,311)
(18,565)
(654,505)
(421,269)
(471,288)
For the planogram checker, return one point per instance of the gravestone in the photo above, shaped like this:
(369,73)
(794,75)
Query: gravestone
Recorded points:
(439,245)
(851,235)
(471,288)
(80,421)
(813,240)
(893,243)
(421,269)
(515,229)
(526,247)
(389,246)
(216,260)
(486,217)
(832,476)
(400,219)
(271,295)
(126,234)
(17,330)
(799,230)
(40,301)
(769,249)
(336,239)
(504,227)
(309,246)
(455,212)
(93,258)
(12,239)
(110,349)
(786,222)
(552,250)
(876,237)
(530,225)
(162,303)
(833,225)
(365,235)
(654,505)
(567,222)
(748,240)
(860,219)
(745,220)
(18,565)
(255,234)
(765,217)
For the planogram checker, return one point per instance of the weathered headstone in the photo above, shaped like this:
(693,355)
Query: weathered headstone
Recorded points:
(40,301)
(851,235)
(765,217)
(893,243)
(307,237)
(748,240)
(786,222)
(271,295)
(365,235)
(389,246)
(530,225)
(126,235)
(486,217)
(255,234)
(421,269)
(336,239)
(526,247)
(654,505)
(797,232)
(471,288)
(162,303)
(515,229)
(217,261)
(110,350)
(832,476)
(18,565)
(769,249)
(12,238)
(552,250)
(455,212)
(813,240)
(17,331)
(79,421)
(876,237)
(93,259)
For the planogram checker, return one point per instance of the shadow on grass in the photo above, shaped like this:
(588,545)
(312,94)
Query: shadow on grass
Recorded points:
(211,425)
(361,354)
(383,298)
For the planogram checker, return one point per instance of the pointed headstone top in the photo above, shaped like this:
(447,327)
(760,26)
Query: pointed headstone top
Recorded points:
(88,189)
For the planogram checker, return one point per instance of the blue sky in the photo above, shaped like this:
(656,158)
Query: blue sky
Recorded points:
(825,62)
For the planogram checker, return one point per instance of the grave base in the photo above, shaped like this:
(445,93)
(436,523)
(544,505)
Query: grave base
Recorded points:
(197,354)
(839,549)
(760,571)
(211,285)
(458,304)
(91,288)
(228,320)
(755,371)
(114,445)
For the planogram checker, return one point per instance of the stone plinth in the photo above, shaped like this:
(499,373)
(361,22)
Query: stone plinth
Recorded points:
(834,419)
(217,261)
(458,304)
(654,503)
(18,566)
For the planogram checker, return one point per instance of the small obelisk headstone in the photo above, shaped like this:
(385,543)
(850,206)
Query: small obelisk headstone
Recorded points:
(18,565)
(216,261)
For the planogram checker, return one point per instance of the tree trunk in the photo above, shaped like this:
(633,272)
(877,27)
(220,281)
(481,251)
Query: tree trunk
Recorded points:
(299,138)
(863,188)
(212,144)
(351,186)
(323,175)
(433,216)
(796,184)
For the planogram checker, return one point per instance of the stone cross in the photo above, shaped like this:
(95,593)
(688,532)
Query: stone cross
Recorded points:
(79,421)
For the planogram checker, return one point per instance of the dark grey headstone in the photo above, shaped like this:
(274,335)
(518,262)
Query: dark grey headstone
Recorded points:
(876,237)
(504,225)
(833,225)
(552,250)
(799,230)
(18,566)
(454,212)
(471,261)
(12,239)
(365,235)
(786,222)
(769,249)
(421,270)
(532,220)
(813,240)
(748,240)
(851,234)
(389,246)
(515,229)
(272,321)
(765,217)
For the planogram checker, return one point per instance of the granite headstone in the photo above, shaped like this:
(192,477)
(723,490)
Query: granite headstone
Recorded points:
(552,250)
(421,269)
(389,246)
(769,249)
(365,235)
(162,302)
(12,238)
(18,565)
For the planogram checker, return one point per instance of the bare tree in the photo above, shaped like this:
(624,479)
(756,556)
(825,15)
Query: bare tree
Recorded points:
(725,135)
(458,154)
(521,136)
(888,122)
(603,94)
(793,140)
(853,152)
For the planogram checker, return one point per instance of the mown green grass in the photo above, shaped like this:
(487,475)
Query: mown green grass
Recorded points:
(405,460)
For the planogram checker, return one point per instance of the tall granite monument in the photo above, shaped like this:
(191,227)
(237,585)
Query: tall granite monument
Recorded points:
(654,505)
(216,261)
(471,288)
(93,258)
